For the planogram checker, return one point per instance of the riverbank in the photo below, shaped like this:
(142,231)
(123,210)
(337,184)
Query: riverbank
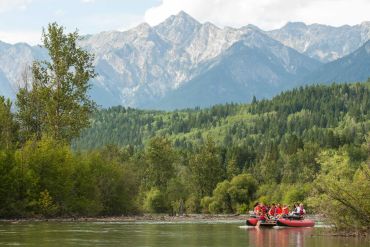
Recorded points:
(141,218)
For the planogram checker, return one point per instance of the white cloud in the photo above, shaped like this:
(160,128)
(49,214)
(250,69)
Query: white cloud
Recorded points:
(88,1)
(8,5)
(32,38)
(267,14)
(108,22)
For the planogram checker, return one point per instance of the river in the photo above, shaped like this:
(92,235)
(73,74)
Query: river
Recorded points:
(156,234)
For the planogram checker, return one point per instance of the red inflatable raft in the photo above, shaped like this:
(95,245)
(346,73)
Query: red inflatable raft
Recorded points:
(251,221)
(295,222)
(254,222)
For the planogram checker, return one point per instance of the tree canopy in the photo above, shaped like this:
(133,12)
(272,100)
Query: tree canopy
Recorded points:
(57,103)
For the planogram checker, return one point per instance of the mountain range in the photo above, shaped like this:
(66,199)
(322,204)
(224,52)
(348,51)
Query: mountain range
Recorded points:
(183,63)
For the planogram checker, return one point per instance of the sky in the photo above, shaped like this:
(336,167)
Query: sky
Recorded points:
(22,20)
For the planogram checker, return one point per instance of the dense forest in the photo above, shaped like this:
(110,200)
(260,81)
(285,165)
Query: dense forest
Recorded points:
(59,156)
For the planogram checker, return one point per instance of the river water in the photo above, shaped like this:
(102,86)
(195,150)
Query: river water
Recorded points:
(165,234)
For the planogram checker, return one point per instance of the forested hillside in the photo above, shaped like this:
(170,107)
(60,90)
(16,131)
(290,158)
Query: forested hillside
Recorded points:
(329,116)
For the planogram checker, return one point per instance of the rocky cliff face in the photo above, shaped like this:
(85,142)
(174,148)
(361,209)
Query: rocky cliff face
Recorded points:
(351,68)
(145,66)
(324,43)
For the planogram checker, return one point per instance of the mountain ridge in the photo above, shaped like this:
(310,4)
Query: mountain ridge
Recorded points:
(140,67)
(246,69)
(314,40)
(353,67)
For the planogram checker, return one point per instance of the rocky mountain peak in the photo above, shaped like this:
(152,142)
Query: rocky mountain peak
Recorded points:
(251,27)
(143,28)
(365,24)
(177,28)
(295,25)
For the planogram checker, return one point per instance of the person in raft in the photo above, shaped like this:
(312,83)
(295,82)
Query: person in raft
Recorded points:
(272,211)
(302,211)
(257,209)
(264,208)
(298,211)
(263,216)
(279,211)
(285,210)
(295,209)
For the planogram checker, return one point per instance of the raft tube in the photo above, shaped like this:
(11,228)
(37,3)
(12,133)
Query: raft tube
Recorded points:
(271,223)
(295,223)
(251,222)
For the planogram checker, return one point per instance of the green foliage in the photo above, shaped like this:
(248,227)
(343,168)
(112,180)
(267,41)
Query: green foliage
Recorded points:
(46,204)
(309,142)
(50,164)
(295,117)
(286,193)
(159,157)
(193,204)
(296,193)
(177,191)
(58,104)
(221,200)
(342,191)
(86,192)
(155,201)
(231,196)
(8,127)
(232,168)
(116,184)
(242,189)
(46,178)
(206,169)
(8,185)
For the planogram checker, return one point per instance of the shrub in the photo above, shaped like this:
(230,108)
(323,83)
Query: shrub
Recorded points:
(155,202)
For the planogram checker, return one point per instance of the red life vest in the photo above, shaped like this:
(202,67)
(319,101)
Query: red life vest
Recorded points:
(279,210)
(272,211)
(264,210)
(286,210)
(257,209)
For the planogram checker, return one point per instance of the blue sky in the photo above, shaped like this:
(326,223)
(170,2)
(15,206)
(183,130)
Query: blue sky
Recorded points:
(22,20)
(26,18)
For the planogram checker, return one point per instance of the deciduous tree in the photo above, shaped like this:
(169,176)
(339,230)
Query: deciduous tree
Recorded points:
(58,104)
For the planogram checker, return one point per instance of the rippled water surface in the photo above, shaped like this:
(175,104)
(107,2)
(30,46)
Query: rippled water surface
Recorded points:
(165,234)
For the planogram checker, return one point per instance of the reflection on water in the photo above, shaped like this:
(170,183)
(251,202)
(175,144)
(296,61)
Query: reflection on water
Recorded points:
(165,235)
(299,237)
(272,237)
